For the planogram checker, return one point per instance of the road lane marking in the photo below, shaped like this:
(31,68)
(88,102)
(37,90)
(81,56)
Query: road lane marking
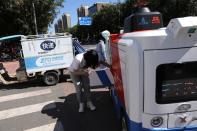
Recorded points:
(48,127)
(5,114)
(24,95)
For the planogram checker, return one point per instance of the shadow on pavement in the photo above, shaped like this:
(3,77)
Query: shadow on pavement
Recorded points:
(29,84)
(22,85)
(103,119)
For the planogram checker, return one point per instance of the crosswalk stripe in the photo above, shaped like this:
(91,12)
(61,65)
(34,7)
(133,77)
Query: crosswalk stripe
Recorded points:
(23,110)
(24,95)
(49,127)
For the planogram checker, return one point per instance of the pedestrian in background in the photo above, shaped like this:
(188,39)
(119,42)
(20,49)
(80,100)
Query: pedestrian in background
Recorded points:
(80,68)
(100,49)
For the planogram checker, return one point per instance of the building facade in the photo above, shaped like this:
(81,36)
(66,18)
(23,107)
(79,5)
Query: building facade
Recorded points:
(82,11)
(97,7)
(66,20)
(56,27)
(60,25)
(63,24)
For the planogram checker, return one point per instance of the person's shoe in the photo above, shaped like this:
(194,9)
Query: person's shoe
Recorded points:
(81,107)
(91,106)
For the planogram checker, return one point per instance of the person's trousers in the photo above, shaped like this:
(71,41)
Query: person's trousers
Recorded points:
(81,82)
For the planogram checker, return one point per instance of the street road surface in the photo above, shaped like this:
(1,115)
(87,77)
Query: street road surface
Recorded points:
(35,107)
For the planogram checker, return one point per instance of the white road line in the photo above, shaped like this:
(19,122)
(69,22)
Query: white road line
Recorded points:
(23,110)
(24,95)
(49,127)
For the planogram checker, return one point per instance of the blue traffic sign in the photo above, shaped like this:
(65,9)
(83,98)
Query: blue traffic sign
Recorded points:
(85,20)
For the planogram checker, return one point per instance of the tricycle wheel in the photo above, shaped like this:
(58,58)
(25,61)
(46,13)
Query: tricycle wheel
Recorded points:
(51,78)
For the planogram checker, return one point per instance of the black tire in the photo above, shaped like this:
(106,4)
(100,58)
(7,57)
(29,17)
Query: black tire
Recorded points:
(51,78)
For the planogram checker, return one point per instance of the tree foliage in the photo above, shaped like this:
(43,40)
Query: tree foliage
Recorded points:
(112,17)
(107,19)
(174,8)
(81,32)
(16,16)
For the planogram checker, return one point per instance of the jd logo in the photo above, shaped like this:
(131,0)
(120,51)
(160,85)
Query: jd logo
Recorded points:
(47,45)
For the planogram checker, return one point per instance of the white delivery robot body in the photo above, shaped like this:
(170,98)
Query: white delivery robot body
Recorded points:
(155,75)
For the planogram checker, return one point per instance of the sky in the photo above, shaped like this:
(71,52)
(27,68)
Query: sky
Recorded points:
(70,7)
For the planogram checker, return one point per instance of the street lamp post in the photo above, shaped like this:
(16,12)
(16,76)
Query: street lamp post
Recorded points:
(35,22)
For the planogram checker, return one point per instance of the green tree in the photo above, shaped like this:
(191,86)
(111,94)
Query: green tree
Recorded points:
(83,33)
(106,19)
(174,8)
(112,17)
(16,16)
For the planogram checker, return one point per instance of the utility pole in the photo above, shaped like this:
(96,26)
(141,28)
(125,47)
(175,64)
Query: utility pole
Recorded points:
(35,22)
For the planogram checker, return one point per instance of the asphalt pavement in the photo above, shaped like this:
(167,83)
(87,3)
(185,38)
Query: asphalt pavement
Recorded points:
(34,107)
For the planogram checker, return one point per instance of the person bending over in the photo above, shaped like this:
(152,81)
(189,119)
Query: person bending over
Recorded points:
(80,68)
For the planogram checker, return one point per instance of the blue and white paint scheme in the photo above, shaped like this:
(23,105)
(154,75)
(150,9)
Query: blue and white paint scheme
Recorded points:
(101,77)
(47,53)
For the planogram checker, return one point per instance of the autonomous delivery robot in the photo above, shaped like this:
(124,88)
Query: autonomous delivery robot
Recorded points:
(155,73)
